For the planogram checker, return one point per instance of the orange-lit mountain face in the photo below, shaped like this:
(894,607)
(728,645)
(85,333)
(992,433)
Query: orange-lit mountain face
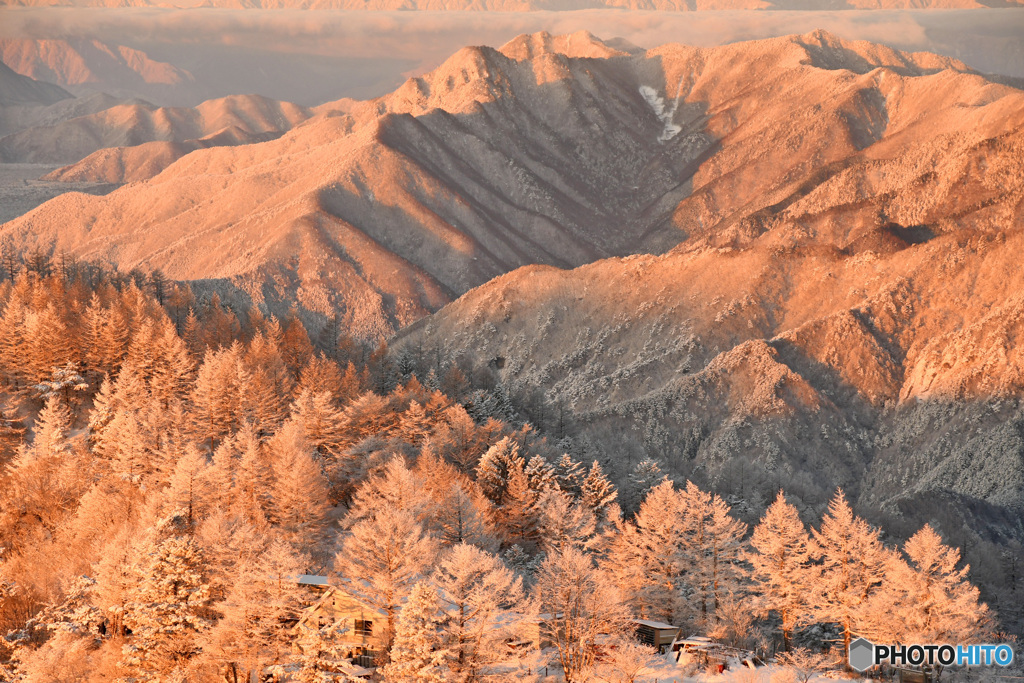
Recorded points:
(564,151)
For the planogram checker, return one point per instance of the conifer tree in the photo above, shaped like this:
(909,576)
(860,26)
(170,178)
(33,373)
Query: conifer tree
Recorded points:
(644,477)
(419,655)
(563,522)
(647,561)
(781,563)
(163,610)
(577,604)
(517,515)
(383,557)
(597,492)
(300,488)
(570,475)
(493,470)
(541,475)
(853,566)
(710,549)
(322,423)
(479,593)
(458,518)
(932,599)
(262,596)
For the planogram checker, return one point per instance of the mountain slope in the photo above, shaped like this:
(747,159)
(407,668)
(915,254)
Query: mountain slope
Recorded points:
(890,370)
(562,151)
(233,119)
(16,89)
(86,65)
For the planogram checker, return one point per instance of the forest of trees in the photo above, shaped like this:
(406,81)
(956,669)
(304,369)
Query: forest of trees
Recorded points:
(169,466)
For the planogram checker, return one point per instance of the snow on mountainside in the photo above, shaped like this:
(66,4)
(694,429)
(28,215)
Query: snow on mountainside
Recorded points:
(546,151)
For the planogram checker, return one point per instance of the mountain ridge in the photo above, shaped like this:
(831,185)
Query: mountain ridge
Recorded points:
(562,151)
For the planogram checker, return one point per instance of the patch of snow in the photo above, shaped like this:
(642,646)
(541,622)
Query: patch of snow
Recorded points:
(657,105)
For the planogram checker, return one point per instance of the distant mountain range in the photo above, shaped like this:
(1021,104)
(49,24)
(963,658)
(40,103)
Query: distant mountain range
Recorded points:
(787,261)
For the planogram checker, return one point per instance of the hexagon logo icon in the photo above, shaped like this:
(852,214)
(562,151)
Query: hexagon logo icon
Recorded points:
(862,654)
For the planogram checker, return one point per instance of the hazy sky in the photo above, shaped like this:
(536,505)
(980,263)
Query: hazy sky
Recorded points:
(314,56)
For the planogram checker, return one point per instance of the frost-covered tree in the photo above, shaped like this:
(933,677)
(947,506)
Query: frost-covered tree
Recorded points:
(597,492)
(627,661)
(396,487)
(645,476)
(458,518)
(540,475)
(576,604)
(517,514)
(645,556)
(711,543)
(383,557)
(419,654)
(262,596)
(164,608)
(570,474)
(932,600)
(479,595)
(495,467)
(853,567)
(563,522)
(66,380)
(300,488)
(188,488)
(782,572)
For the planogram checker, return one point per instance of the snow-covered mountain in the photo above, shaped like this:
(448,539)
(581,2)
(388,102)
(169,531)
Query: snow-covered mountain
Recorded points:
(562,151)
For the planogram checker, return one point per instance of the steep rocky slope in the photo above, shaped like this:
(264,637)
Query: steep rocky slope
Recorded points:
(562,151)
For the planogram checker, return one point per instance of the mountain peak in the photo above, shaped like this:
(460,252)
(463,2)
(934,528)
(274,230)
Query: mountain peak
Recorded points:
(581,44)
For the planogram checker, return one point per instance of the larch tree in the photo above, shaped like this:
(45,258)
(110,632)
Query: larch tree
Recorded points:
(322,422)
(300,496)
(853,568)
(932,600)
(419,655)
(576,603)
(163,609)
(383,557)
(597,492)
(782,571)
(516,516)
(479,595)
(646,560)
(396,486)
(563,522)
(263,595)
(711,542)
(188,489)
(460,517)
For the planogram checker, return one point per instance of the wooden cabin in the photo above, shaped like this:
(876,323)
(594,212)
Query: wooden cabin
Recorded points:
(363,624)
(657,634)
